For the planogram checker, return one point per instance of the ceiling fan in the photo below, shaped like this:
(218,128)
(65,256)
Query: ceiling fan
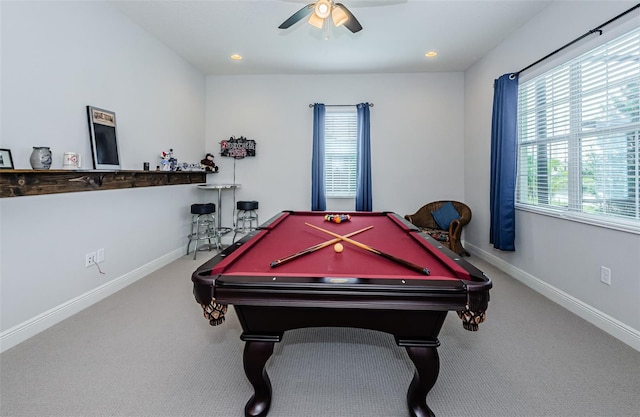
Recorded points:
(321,10)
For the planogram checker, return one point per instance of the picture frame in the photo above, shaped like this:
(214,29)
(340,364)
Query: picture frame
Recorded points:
(6,162)
(104,138)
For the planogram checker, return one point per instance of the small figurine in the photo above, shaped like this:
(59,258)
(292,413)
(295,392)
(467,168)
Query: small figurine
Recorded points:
(168,162)
(165,162)
(208,164)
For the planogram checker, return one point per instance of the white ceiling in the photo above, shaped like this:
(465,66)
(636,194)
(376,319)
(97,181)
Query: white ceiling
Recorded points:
(396,34)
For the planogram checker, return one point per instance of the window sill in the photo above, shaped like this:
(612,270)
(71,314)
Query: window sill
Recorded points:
(628,226)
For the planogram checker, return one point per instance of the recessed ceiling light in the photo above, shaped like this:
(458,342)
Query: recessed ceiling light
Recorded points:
(236,57)
(431,54)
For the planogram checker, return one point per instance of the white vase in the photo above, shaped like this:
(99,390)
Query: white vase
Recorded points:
(40,157)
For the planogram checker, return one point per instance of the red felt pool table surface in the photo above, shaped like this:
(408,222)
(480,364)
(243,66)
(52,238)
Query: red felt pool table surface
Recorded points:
(288,234)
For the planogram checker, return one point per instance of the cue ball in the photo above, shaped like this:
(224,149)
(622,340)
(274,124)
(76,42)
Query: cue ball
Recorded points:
(338,247)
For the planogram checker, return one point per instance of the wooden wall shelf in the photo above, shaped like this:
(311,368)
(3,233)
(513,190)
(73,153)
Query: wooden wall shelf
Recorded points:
(26,182)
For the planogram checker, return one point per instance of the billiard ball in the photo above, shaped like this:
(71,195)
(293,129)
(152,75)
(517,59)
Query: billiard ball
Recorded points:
(338,247)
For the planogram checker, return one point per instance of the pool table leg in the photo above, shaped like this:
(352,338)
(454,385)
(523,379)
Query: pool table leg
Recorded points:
(427,364)
(256,354)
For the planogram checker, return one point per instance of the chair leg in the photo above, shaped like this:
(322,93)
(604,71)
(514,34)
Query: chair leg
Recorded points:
(457,247)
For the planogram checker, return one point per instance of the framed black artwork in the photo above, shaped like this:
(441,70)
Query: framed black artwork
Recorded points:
(6,162)
(104,140)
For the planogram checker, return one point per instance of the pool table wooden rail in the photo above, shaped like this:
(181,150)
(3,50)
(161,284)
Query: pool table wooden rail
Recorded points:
(320,292)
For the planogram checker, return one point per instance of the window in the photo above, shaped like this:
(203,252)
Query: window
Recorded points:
(579,136)
(340,149)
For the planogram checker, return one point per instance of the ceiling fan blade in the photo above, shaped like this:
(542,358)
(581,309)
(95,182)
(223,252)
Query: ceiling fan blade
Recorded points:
(352,24)
(297,16)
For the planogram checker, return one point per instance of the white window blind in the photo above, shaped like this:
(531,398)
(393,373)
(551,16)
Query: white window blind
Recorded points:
(579,135)
(340,151)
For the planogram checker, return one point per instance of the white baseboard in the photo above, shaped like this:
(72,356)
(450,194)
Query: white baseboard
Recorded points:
(23,331)
(614,327)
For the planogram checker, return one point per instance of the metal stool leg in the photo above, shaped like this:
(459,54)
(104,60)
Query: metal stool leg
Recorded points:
(193,234)
(202,228)
(247,217)
(239,220)
(246,221)
(198,234)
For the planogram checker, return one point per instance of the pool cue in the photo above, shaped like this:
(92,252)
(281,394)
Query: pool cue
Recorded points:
(408,264)
(313,248)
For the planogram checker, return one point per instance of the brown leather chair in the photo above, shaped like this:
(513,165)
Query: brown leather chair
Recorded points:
(423,219)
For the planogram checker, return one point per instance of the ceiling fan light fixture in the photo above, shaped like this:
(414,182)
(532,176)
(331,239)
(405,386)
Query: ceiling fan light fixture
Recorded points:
(314,20)
(339,16)
(318,12)
(323,9)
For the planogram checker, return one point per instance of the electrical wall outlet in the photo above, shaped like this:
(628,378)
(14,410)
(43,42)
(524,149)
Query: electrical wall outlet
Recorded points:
(89,259)
(605,275)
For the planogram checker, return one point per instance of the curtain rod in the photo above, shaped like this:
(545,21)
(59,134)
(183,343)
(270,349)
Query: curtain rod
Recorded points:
(342,105)
(592,31)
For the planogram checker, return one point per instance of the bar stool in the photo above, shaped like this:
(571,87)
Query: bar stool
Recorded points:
(247,217)
(203,226)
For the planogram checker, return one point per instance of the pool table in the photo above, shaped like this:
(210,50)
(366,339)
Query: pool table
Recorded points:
(373,286)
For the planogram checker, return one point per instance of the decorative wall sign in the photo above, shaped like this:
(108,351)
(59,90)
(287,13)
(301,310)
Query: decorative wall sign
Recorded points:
(238,148)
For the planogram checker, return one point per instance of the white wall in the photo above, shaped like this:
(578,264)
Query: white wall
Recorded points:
(57,58)
(559,257)
(430,140)
(416,136)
